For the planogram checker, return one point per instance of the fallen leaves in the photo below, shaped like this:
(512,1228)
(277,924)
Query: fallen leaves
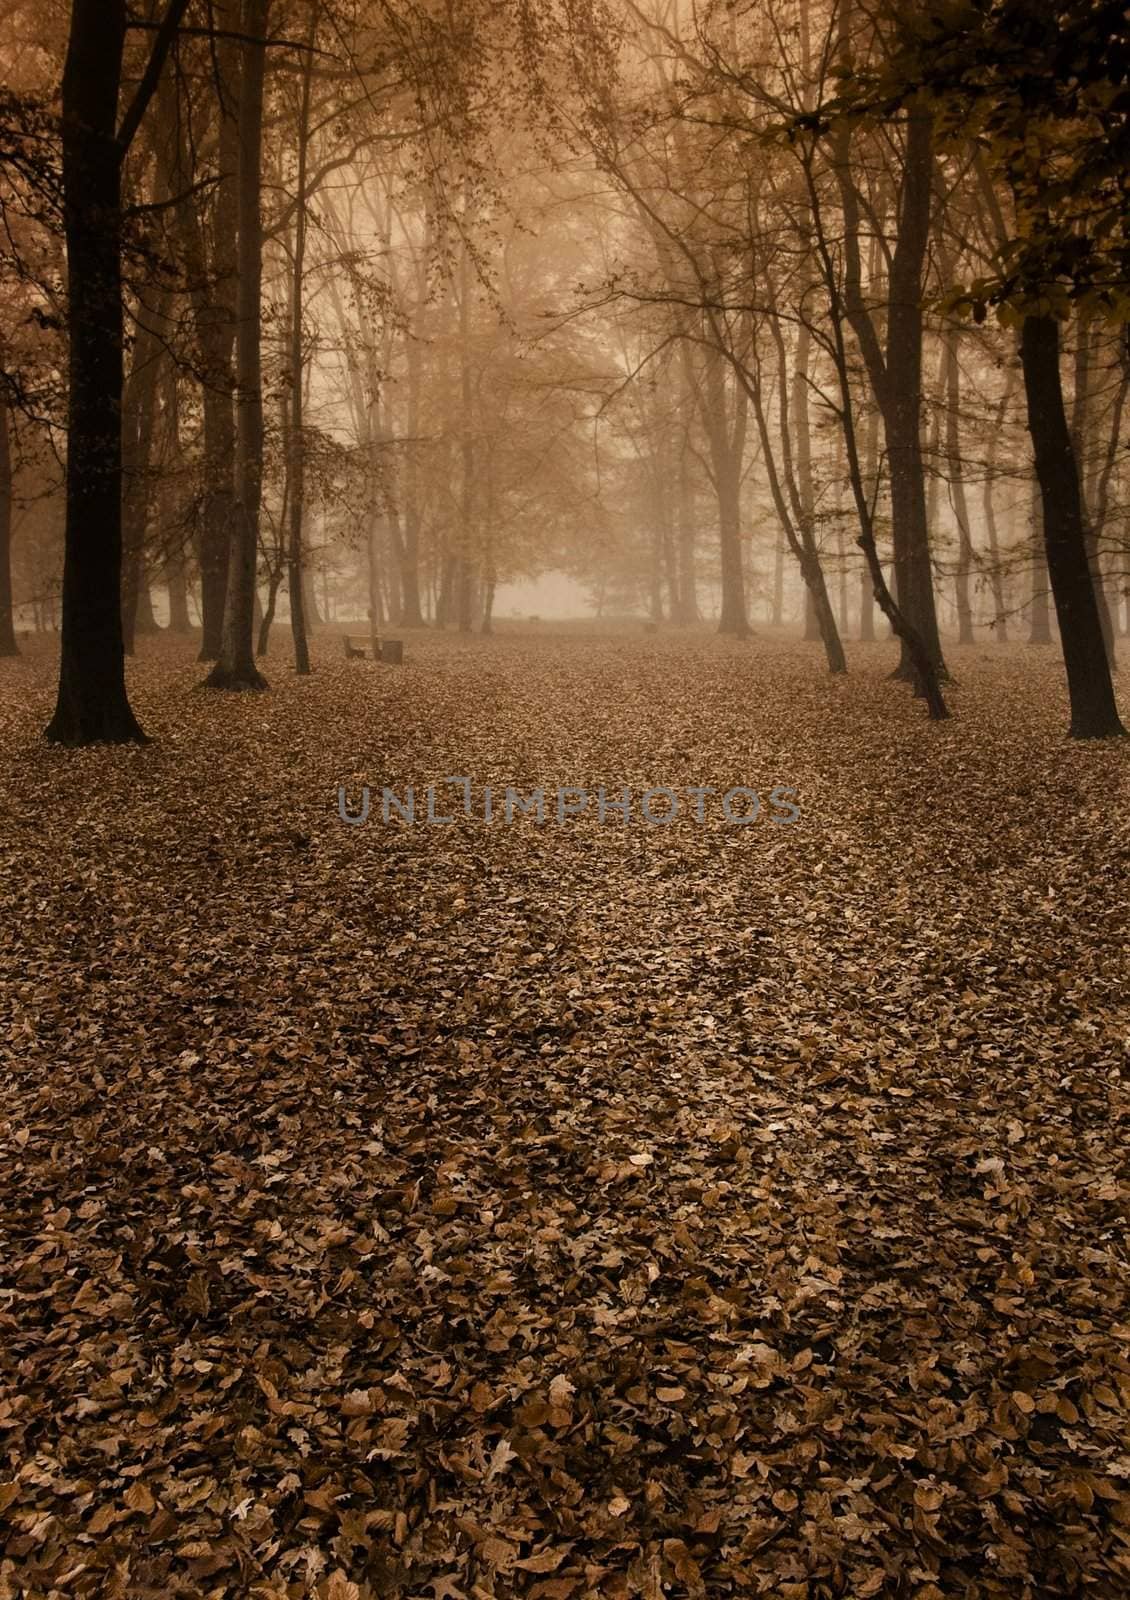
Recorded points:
(478,1212)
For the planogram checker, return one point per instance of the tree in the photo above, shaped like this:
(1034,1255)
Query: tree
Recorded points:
(236,667)
(92,704)
(1037,87)
(205,224)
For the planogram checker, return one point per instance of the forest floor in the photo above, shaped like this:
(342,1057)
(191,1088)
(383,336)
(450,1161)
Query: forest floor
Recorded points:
(565,1211)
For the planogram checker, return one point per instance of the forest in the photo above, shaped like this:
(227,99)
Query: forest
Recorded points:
(564,1001)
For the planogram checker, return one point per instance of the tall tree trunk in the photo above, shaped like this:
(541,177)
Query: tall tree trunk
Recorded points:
(870,468)
(139,426)
(797,513)
(236,667)
(170,507)
(490,567)
(895,366)
(144,617)
(777,608)
(210,260)
(726,438)
(92,704)
(811,621)
(463,585)
(8,646)
(688,596)
(1094,714)
(410,572)
(902,413)
(806,492)
(655,542)
(996,573)
(175,579)
(373,579)
(294,559)
(310,600)
(1039,599)
(1082,444)
(264,622)
(965,556)
(927,674)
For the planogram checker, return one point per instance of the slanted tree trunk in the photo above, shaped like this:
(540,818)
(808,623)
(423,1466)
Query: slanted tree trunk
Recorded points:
(8,646)
(92,704)
(1094,714)
(927,673)
(236,667)
(894,365)
(265,621)
(796,513)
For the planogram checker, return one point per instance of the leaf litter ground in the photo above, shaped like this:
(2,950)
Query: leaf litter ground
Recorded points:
(565,1211)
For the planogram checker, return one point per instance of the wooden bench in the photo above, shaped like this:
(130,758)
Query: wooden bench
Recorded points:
(360,647)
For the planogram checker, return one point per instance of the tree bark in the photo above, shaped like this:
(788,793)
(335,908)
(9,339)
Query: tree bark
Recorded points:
(902,413)
(236,667)
(870,470)
(179,620)
(963,577)
(1081,428)
(211,268)
(1039,608)
(92,704)
(895,367)
(139,425)
(687,612)
(927,672)
(726,438)
(8,645)
(463,584)
(996,575)
(297,507)
(410,572)
(797,512)
(1094,714)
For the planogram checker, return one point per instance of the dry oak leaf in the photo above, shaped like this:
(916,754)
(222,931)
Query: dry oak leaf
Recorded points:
(545,1560)
(338,1587)
(138,1498)
(561,1391)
